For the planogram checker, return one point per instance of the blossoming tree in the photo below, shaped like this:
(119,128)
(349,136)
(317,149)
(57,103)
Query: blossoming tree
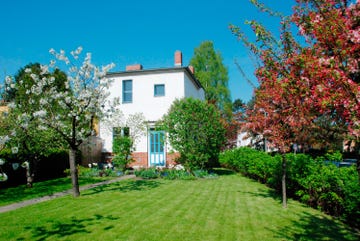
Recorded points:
(70,111)
(301,85)
(30,142)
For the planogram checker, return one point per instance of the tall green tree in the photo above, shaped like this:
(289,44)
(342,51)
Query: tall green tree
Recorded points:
(213,75)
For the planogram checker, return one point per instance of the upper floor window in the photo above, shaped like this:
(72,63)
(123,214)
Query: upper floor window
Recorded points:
(127,91)
(159,90)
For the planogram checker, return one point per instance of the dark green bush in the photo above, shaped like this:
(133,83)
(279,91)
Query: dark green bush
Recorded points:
(334,190)
(194,128)
(249,162)
(148,173)
(122,149)
(173,174)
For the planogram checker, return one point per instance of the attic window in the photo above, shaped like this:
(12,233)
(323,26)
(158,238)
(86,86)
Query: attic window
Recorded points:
(159,90)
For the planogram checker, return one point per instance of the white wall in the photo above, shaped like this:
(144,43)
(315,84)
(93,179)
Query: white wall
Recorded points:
(191,90)
(177,85)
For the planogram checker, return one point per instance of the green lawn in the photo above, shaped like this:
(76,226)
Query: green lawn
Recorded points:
(39,189)
(230,207)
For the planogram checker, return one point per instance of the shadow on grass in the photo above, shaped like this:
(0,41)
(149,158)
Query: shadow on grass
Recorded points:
(312,227)
(223,171)
(124,186)
(20,193)
(61,229)
(264,194)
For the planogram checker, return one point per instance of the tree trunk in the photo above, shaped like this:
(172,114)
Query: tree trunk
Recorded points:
(74,172)
(29,176)
(283,181)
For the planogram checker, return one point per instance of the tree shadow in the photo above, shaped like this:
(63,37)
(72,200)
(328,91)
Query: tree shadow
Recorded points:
(20,193)
(309,226)
(313,227)
(124,186)
(60,229)
(223,171)
(264,194)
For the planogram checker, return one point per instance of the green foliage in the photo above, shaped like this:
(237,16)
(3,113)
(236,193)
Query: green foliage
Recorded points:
(147,173)
(249,162)
(213,75)
(122,149)
(334,190)
(194,130)
(334,156)
(86,172)
(173,174)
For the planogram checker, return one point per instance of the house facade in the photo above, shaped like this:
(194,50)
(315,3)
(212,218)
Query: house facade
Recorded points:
(151,92)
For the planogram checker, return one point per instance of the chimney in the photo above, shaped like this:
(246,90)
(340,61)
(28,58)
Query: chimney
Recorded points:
(134,67)
(178,58)
(192,69)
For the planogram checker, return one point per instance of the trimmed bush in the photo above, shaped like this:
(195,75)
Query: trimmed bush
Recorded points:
(334,190)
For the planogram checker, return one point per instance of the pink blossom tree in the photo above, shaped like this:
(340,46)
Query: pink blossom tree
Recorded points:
(302,84)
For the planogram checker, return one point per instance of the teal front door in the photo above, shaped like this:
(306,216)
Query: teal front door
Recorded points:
(156,148)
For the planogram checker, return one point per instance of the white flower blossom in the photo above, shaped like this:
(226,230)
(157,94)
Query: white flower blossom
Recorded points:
(14,150)
(43,101)
(3,177)
(25,164)
(44,69)
(52,63)
(8,79)
(40,113)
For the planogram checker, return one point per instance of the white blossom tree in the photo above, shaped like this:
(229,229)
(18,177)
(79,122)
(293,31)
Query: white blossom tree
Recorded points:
(135,122)
(70,111)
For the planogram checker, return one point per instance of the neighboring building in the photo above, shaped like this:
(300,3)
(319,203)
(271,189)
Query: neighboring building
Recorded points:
(151,92)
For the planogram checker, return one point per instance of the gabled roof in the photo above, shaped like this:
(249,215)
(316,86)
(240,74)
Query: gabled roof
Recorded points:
(186,70)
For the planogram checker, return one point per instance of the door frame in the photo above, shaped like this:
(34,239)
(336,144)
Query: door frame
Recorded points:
(157,150)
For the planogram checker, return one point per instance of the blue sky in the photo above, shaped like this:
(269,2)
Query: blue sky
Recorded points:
(128,32)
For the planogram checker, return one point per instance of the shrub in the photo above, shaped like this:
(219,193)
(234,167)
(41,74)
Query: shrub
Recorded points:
(195,130)
(334,190)
(173,174)
(122,149)
(249,162)
(148,173)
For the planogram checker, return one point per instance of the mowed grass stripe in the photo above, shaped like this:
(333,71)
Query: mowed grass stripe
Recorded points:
(227,208)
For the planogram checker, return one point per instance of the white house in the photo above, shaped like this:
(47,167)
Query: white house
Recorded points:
(151,92)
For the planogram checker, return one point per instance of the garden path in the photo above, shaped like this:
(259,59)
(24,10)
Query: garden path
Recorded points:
(25,203)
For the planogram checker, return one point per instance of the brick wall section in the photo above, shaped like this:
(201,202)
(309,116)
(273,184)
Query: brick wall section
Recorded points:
(141,159)
(134,67)
(178,58)
(171,157)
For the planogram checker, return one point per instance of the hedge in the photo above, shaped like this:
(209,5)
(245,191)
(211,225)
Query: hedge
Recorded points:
(334,190)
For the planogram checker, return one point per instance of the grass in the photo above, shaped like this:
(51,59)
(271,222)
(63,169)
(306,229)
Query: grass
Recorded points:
(230,207)
(40,189)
